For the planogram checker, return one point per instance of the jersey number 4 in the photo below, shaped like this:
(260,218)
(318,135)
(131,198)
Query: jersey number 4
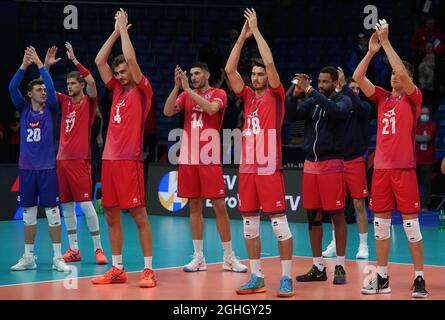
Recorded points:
(33,135)
(387,123)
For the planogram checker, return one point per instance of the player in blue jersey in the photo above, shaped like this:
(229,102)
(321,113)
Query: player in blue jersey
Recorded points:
(37,163)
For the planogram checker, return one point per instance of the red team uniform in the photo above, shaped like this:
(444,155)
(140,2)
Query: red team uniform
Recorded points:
(354,174)
(199,177)
(394,179)
(122,166)
(74,155)
(261,184)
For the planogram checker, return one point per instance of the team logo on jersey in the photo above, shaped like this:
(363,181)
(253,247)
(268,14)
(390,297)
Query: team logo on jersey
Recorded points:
(197,108)
(168,192)
(34,124)
(390,113)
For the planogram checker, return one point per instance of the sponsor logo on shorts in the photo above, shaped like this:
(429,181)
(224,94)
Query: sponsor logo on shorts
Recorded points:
(85,195)
(168,192)
(365,191)
(135,200)
(57,199)
(278,204)
(416,205)
(18,198)
(338,203)
(221,191)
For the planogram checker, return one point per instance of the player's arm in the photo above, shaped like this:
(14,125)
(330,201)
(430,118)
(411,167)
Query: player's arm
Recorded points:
(265,53)
(394,59)
(14,92)
(170,107)
(84,72)
(50,58)
(359,76)
(235,79)
(102,56)
(127,46)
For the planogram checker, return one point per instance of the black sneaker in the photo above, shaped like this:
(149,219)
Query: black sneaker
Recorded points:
(418,288)
(377,285)
(313,275)
(339,275)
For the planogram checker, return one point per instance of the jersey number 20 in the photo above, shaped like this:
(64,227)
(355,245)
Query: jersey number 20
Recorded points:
(33,135)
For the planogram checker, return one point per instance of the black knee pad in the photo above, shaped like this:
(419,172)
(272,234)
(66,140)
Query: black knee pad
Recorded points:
(311,218)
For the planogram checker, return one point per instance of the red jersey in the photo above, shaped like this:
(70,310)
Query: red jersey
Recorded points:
(129,110)
(75,128)
(425,151)
(396,129)
(196,121)
(261,150)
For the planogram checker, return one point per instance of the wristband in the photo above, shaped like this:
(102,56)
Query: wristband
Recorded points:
(84,72)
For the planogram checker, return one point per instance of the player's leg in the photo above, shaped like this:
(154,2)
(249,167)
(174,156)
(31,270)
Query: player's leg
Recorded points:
(362,225)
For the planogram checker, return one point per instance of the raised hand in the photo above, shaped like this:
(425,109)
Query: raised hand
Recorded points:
(250,16)
(303,81)
(178,77)
(341,77)
(27,61)
(70,53)
(246,32)
(184,80)
(31,51)
(374,44)
(382,28)
(50,57)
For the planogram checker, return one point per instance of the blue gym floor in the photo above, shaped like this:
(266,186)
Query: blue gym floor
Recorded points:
(172,245)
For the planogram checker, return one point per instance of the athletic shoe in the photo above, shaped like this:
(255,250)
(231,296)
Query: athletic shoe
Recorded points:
(100,257)
(339,275)
(363,252)
(25,263)
(418,288)
(285,290)
(198,263)
(331,250)
(377,285)
(232,263)
(313,275)
(147,279)
(114,275)
(72,256)
(254,285)
(60,265)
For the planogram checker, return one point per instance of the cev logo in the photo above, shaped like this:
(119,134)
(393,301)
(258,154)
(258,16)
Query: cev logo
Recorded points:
(168,192)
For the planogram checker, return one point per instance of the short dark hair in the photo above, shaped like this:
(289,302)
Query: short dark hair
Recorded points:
(332,71)
(349,80)
(258,63)
(117,61)
(32,83)
(201,65)
(408,67)
(76,75)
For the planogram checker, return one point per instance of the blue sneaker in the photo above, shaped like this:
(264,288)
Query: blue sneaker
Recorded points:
(286,288)
(254,285)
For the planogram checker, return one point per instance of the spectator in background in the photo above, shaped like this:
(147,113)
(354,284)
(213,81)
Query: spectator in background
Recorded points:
(245,57)
(423,35)
(211,54)
(97,144)
(358,53)
(425,73)
(14,138)
(150,132)
(382,70)
(425,149)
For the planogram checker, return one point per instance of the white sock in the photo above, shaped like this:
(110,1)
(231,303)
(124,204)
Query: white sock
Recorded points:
(117,262)
(197,246)
(29,250)
(286,267)
(97,243)
(72,238)
(333,236)
(341,261)
(255,266)
(57,247)
(148,263)
(363,238)
(382,271)
(419,273)
(227,247)
(318,262)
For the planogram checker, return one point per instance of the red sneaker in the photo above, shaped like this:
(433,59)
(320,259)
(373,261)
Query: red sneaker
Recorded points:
(115,275)
(100,257)
(147,279)
(72,256)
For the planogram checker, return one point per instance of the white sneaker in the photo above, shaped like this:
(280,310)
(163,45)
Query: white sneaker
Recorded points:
(363,252)
(331,250)
(25,263)
(60,265)
(198,263)
(232,263)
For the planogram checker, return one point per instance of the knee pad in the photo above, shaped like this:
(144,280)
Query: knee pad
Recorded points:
(251,227)
(70,215)
(30,216)
(90,215)
(382,228)
(281,228)
(412,230)
(311,216)
(53,215)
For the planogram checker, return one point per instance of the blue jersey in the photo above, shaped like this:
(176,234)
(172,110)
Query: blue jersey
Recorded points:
(37,150)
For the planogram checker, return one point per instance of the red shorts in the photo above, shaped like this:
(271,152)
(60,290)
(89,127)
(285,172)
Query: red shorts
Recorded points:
(199,181)
(323,191)
(395,186)
(354,175)
(123,184)
(261,191)
(74,178)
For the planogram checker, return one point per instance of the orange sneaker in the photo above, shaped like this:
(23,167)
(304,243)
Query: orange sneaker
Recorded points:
(100,257)
(72,256)
(115,275)
(147,279)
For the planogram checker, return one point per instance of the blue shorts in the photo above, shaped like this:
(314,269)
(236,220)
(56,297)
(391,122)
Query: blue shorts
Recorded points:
(38,187)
